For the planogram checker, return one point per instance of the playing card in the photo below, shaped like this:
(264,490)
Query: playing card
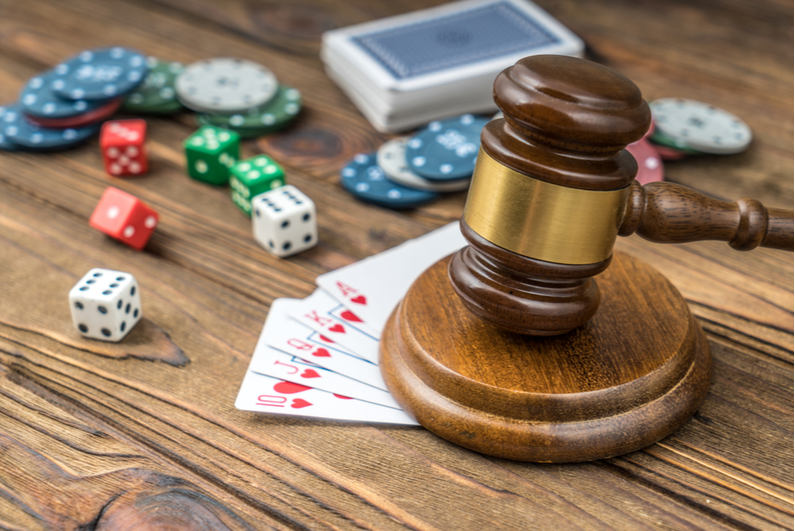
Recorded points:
(272,362)
(452,42)
(317,312)
(265,394)
(275,363)
(291,337)
(371,288)
(328,342)
(269,361)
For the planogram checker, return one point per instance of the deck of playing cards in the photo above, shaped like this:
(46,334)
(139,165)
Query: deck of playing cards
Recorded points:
(318,357)
(410,69)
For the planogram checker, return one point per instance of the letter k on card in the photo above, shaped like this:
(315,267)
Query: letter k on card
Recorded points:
(317,312)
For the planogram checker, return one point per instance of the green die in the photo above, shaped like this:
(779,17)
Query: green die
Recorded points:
(210,152)
(252,177)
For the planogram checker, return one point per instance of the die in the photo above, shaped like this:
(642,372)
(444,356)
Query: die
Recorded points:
(105,304)
(124,217)
(210,152)
(122,145)
(252,177)
(284,221)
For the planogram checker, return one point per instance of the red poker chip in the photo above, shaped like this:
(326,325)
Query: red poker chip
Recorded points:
(97,115)
(650,165)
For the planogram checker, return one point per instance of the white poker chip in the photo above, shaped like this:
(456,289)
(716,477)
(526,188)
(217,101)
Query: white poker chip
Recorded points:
(699,126)
(391,158)
(225,85)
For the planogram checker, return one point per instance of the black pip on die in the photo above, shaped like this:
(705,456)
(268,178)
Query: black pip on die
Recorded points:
(105,304)
(284,221)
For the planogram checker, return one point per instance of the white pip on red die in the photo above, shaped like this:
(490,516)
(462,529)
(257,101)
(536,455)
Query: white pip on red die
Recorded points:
(105,304)
(124,217)
(122,145)
(284,221)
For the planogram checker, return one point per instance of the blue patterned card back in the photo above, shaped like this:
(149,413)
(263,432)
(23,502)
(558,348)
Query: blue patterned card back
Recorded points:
(454,40)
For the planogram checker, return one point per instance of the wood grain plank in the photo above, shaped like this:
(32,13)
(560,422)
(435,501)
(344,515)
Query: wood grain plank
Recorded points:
(65,402)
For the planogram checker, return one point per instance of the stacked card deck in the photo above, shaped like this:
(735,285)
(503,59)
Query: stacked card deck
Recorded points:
(407,70)
(318,357)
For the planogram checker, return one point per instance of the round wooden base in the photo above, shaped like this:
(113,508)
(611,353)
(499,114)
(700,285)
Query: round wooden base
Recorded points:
(629,377)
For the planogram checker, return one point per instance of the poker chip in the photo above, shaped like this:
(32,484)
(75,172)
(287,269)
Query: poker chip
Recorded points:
(39,100)
(7,145)
(694,125)
(21,132)
(392,160)
(166,108)
(650,165)
(446,150)
(225,85)
(660,139)
(99,74)
(275,114)
(202,119)
(363,178)
(156,94)
(97,115)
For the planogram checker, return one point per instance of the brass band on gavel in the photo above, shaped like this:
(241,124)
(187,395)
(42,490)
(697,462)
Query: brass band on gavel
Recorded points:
(542,220)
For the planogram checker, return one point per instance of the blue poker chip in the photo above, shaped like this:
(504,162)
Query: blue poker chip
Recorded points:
(366,180)
(38,99)
(19,131)
(7,145)
(446,150)
(100,74)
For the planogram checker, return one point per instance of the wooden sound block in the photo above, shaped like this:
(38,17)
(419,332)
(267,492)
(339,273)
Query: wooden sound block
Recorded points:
(630,376)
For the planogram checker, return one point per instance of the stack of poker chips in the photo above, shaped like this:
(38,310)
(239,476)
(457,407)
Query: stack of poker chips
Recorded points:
(406,172)
(410,171)
(65,106)
(685,128)
(237,94)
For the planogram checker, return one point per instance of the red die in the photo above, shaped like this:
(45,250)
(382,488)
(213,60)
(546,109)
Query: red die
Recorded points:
(122,144)
(124,217)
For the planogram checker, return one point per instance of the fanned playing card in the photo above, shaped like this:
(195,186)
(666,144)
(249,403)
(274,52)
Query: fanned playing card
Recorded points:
(265,394)
(318,357)
(372,287)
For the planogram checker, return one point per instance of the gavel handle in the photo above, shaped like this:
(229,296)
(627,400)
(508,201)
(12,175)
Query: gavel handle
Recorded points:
(671,213)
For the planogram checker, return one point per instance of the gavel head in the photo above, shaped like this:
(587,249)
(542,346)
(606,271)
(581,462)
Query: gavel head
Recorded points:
(548,194)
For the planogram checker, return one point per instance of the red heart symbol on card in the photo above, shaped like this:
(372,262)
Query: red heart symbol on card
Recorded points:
(298,403)
(361,299)
(321,353)
(309,373)
(327,340)
(350,316)
(337,328)
(343,397)
(289,388)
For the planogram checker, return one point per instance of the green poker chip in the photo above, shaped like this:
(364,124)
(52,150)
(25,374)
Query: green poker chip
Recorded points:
(272,116)
(659,138)
(165,109)
(251,132)
(156,94)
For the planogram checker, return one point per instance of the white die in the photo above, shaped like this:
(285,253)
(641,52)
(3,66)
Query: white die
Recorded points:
(105,304)
(284,221)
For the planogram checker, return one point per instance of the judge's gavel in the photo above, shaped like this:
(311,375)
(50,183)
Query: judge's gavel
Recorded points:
(554,187)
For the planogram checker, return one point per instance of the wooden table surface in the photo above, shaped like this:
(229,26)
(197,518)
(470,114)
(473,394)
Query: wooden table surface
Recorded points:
(96,435)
